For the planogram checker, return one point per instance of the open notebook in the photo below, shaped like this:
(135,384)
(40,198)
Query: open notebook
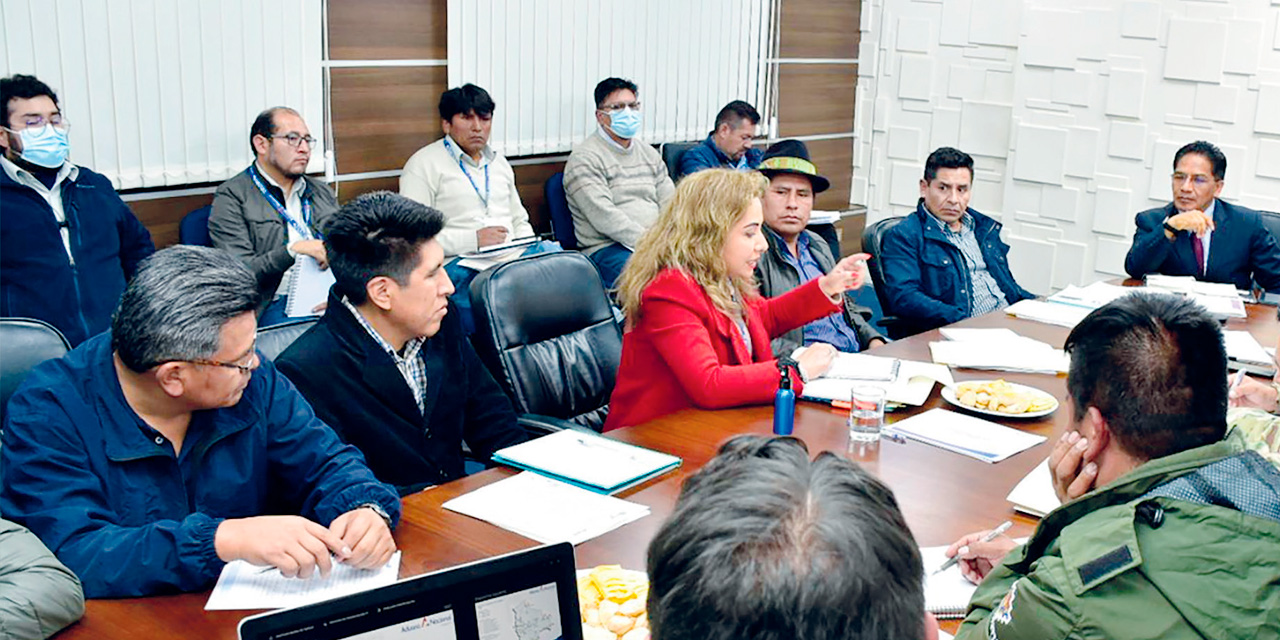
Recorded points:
(946,594)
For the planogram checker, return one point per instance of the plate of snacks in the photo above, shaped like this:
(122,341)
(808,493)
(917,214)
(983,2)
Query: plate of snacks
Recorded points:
(612,603)
(1000,398)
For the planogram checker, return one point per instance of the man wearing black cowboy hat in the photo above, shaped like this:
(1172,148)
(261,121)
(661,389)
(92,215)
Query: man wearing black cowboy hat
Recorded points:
(797,255)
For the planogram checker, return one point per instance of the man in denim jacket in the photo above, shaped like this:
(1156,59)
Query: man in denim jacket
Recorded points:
(151,455)
(946,262)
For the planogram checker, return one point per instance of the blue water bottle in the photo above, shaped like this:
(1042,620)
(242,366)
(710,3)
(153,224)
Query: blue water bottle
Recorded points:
(784,403)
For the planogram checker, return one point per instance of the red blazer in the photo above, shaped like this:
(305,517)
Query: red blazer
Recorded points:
(684,352)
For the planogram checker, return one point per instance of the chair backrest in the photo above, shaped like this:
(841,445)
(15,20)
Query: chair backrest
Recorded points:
(558,207)
(25,343)
(194,228)
(671,154)
(545,329)
(273,340)
(871,238)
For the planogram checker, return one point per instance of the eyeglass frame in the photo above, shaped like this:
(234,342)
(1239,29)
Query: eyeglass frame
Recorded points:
(62,123)
(245,369)
(612,109)
(294,140)
(1197,179)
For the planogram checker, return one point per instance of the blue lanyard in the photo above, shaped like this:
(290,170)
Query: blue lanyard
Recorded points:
(304,231)
(484,199)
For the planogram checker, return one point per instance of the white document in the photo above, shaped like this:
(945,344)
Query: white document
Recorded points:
(1188,284)
(824,217)
(1034,494)
(912,385)
(978,335)
(546,510)
(966,435)
(1062,315)
(247,586)
(1021,355)
(587,459)
(1092,296)
(1242,346)
(857,366)
(496,254)
(310,286)
(1219,306)
(946,594)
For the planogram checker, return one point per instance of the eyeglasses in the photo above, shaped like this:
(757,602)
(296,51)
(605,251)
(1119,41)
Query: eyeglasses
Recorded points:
(245,369)
(294,139)
(619,106)
(1198,179)
(36,122)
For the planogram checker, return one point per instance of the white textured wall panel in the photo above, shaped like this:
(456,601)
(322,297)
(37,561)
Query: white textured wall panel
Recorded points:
(1074,119)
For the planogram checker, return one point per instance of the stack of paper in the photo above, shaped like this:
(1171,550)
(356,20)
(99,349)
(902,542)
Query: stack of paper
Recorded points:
(946,594)
(912,384)
(1189,285)
(966,435)
(1008,354)
(1034,494)
(858,366)
(1092,296)
(245,586)
(496,254)
(1220,306)
(1061,315)
(546,510)
(589,461)
(1243,347)
(310,287)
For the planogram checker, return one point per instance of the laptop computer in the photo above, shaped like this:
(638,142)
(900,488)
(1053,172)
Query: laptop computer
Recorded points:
(526,595)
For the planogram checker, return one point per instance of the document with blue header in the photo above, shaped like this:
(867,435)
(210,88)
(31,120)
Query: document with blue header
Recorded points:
(596,463)
(966,435)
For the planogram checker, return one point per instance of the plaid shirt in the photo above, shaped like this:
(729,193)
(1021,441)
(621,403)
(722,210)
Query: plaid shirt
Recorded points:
(410,365)
(984,291)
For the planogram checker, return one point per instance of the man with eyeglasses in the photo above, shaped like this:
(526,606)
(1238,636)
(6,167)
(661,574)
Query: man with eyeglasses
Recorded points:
(615,183)
(68,243)
(1200,235)
(150,456)
(272,212)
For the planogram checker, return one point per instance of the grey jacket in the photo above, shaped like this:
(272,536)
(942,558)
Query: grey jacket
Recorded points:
(777,277)
(38,595)
(245,224)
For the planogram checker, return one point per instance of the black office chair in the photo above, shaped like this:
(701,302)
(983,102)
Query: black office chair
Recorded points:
(194,228)
(671,154)
(273,340)
(871,238)
(25,343)
(545,329)
(561,216)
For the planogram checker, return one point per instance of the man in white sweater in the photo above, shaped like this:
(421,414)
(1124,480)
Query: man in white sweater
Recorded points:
(474,186)
(615,183)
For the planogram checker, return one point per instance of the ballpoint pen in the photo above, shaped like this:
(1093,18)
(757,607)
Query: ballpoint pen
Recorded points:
(1235,382)
(995,533)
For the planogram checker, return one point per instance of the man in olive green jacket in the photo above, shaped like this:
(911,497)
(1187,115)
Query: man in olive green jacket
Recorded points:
(1167,530)
(38,595)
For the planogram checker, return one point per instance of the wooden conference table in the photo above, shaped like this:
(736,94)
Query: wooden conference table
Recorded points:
(942,494)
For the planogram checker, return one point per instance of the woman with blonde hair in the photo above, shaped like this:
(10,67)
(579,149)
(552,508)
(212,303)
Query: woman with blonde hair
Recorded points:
(698,330)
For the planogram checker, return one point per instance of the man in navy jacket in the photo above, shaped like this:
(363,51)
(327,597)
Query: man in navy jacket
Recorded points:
(151,455)
(729,146)
(68,243)
(945,262)
(1199,235)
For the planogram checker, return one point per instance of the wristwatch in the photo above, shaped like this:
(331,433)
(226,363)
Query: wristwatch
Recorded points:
(377,508)
(1168,227)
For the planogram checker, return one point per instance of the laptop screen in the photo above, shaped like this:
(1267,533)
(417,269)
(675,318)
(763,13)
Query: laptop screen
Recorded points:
(527,595)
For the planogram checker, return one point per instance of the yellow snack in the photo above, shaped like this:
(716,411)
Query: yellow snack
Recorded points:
(612,602)
(1002,397)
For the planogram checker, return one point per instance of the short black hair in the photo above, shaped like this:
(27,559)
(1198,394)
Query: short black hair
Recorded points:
(736,112)
(765,544)
(377,234)
(1155,368)
(464,100)
(1207,149)
(946,158)
(265,125)
(609,85)
(23,87)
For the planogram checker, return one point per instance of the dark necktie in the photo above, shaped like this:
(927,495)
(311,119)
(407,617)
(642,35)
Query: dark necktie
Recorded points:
(1197,246)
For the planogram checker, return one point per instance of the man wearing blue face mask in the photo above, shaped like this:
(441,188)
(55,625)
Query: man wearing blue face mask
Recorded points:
(68,243)
(615,183)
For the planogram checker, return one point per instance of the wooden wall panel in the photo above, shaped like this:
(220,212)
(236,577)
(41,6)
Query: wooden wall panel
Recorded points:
(820,29)
(530,179)
(387,30)
(815,99)
(161,216)
(353,188)
(382,116)
(834,159)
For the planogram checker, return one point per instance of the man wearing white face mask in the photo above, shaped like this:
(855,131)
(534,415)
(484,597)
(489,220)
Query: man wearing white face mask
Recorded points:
(615,183)
(68,243)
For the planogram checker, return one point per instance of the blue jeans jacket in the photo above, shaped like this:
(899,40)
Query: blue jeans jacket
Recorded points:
(925,276)
(105,492)
(708,156)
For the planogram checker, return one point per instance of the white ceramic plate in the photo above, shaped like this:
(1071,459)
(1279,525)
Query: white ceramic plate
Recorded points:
(949,395)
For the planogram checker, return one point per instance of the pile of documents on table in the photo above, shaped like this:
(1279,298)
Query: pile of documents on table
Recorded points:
(997,350)
(905,382)
(1069,306)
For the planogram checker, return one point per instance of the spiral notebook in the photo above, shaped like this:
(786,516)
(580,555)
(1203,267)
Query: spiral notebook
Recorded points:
(309,288)
(946,594)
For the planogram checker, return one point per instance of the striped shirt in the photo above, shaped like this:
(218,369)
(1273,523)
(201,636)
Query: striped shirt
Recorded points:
(831,328)
(410,365)
(984,292)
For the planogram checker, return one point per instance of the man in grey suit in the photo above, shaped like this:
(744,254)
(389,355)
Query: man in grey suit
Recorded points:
(273,212)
